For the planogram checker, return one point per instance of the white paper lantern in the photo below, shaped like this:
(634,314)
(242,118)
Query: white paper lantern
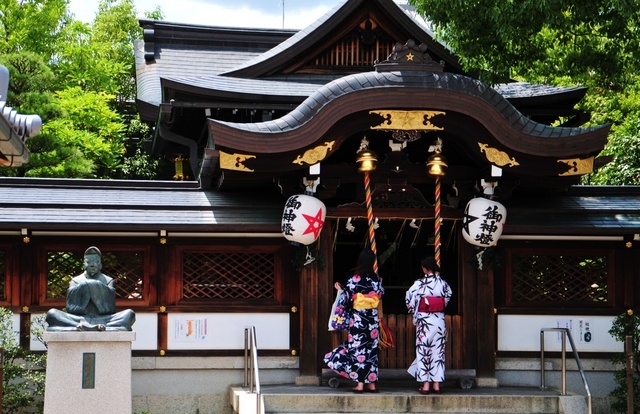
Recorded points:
(483,222)
(303,218)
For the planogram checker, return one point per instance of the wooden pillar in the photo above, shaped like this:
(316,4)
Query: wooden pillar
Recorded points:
(478,318)
(486,328)
(314,310)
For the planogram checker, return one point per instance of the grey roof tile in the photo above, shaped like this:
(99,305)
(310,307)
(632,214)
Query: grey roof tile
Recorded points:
(58,204)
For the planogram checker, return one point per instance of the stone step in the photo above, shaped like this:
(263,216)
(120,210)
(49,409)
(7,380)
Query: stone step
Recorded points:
(290,399)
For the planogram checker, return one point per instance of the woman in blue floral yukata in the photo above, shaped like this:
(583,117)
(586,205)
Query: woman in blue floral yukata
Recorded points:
(426,300)
(357,359)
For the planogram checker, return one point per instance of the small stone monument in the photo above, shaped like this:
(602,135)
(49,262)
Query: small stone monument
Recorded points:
(89,347)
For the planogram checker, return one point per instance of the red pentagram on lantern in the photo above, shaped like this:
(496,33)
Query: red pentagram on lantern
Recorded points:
(315,223)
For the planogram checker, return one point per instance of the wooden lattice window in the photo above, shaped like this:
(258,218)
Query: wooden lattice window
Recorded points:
(228,275)
(561,278)
(126,267)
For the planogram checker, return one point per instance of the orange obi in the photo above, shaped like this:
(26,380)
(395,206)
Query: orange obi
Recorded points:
(368,301)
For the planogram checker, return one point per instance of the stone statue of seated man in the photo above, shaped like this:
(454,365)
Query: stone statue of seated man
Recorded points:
(91,302)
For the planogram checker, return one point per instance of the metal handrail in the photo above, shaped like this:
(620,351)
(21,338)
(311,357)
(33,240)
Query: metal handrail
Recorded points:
(565,332)
(251,372)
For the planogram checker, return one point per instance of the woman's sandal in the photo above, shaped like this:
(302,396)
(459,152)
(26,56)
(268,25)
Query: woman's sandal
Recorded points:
(423,391)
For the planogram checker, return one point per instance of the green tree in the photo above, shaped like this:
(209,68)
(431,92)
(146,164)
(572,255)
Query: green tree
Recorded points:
(32,26)
(30,85)
(87,142)
(592,42)
(87,63)
(82,85)
(566,43)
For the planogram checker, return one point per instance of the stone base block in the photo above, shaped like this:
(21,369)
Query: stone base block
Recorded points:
(88,372)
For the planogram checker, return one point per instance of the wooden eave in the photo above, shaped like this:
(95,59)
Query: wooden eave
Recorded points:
(311,41)
(218,88)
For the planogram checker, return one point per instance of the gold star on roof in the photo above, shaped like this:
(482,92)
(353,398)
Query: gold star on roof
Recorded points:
(410,56)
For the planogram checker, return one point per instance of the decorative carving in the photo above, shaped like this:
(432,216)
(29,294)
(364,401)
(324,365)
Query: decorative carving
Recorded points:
(405,136)
(235,161)
(577,166)
(394,196)
(407,120)
(411,57)
(497,157)
(314,155)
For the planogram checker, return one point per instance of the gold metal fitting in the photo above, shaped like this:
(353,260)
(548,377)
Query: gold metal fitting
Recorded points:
(163,240)
(630,312)
(294,352)
(628,245)
(366,161)
(437,165)
(163,309)
(162,352)
(294,309)
(25,309)
(26,239)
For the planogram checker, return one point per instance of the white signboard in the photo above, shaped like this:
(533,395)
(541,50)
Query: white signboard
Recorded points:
(226,330)
(589,333)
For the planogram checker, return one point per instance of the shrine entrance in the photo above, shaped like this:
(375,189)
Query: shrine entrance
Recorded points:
(401,244)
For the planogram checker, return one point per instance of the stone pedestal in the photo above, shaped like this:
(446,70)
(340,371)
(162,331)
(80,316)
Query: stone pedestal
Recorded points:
(88,372)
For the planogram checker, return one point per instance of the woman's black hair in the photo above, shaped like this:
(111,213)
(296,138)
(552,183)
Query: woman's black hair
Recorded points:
(366,259)
(429,263)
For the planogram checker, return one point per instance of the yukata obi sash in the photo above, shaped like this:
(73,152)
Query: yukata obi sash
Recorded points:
(431,304)
(368,301)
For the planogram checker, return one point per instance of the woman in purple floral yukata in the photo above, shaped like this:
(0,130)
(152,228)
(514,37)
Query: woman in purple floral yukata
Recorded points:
(357,359)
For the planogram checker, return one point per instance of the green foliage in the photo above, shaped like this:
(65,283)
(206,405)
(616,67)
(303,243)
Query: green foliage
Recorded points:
(626,324)
(80,79)
(32,26)
(87,63)
(566,43)
(24,371)
(622,110)
(141,166)
(590,41)
(87,142)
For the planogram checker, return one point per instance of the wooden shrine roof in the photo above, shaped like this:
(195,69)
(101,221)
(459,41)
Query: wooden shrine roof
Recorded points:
(332,26)
(271,112)
(79,205)
(125,206)
(533,138)
(582,210)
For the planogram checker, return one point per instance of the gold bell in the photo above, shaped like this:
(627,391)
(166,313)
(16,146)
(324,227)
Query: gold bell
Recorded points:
(367,161)
(437,165)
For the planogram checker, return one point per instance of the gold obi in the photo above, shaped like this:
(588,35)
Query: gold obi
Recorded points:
(368,301)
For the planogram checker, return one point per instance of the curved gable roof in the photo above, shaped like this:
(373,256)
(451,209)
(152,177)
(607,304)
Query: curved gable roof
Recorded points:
(405,90)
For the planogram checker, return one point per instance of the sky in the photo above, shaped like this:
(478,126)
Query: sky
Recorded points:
(298,14)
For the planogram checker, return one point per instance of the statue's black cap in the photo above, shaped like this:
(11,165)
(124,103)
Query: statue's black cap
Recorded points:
(93,250)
